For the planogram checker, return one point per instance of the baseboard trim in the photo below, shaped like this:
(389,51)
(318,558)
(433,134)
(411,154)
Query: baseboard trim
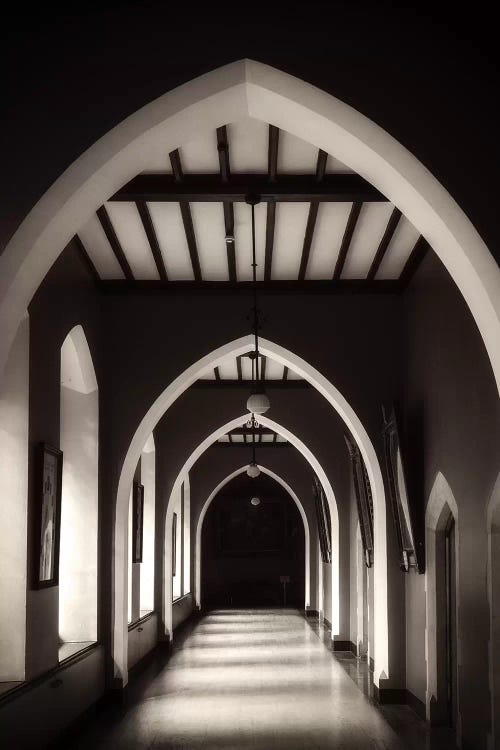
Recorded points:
(416,705)
(399,696)
(338,645)
(311,613)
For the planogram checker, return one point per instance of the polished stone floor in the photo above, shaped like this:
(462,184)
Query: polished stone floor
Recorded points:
(262,679)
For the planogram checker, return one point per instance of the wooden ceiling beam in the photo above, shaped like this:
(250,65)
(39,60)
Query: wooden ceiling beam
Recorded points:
(384,243)
(113,240)
(420,250)
(313,214)
(272,174)
(346,239)
(187,219)
(280,286)
(264,446)
(219,383)
(211,188)
(150,232)
(86,258)
(225,174)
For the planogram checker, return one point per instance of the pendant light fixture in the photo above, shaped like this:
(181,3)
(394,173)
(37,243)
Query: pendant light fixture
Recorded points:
(252,468)
(258,401)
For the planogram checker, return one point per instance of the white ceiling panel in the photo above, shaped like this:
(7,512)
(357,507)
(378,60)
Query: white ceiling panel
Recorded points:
(330,226)
(238,438)
(370,228)
(334,166)
(169,228)
(209,376)
(99,250)
(248,145)
(280,439)
(296,155)
(266,438)
(201,155)
(274,371)
(290,227)
(132,237)
(292,375)
(246,368)
(243,240)
(228,370)
(208,221)
(224,439)
(399,250)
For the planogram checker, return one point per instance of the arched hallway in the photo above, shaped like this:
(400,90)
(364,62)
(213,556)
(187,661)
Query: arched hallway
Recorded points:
(249,378)
(256,679)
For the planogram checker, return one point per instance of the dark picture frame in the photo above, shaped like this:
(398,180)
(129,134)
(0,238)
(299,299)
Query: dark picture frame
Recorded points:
(364,499)
(48,488)
(410,543)
(323,520)
(137,522)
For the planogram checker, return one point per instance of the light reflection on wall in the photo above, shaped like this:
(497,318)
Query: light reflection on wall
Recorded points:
(14,412)
(79,502)
(147,569)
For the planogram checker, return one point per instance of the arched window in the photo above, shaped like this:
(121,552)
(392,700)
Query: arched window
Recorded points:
(79,502)
(141,535)
(14,410)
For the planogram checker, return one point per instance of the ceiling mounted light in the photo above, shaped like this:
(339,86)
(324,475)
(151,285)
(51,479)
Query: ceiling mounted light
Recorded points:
(253,470)
(258,403)
(255,501)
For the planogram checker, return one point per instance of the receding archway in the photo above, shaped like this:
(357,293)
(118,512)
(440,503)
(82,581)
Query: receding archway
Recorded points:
(317,468)
(343,408)
(203,512)
(247,547)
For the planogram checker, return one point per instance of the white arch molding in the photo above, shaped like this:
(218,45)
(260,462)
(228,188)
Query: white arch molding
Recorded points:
(241,89)
(316,466)
(203,512)
(338,402)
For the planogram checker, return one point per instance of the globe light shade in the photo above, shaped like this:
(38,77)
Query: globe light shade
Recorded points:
(253,470)
(255,501)
(258,403)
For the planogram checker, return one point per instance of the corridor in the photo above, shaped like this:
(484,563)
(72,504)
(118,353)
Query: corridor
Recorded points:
(255,679)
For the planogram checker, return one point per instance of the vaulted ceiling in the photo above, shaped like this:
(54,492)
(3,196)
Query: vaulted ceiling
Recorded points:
(317,222)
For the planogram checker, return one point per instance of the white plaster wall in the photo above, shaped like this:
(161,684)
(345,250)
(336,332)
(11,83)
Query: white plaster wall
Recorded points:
(79,516)
(141,640)
(416,666)
(53,708)
(14,410)
(147,567)
(186,581)
(327,589)
(177,579)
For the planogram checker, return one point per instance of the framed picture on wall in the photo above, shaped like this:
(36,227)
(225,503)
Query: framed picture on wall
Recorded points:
(323,520)
(405,514)
(48,481)
(137,522)
(364,501)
